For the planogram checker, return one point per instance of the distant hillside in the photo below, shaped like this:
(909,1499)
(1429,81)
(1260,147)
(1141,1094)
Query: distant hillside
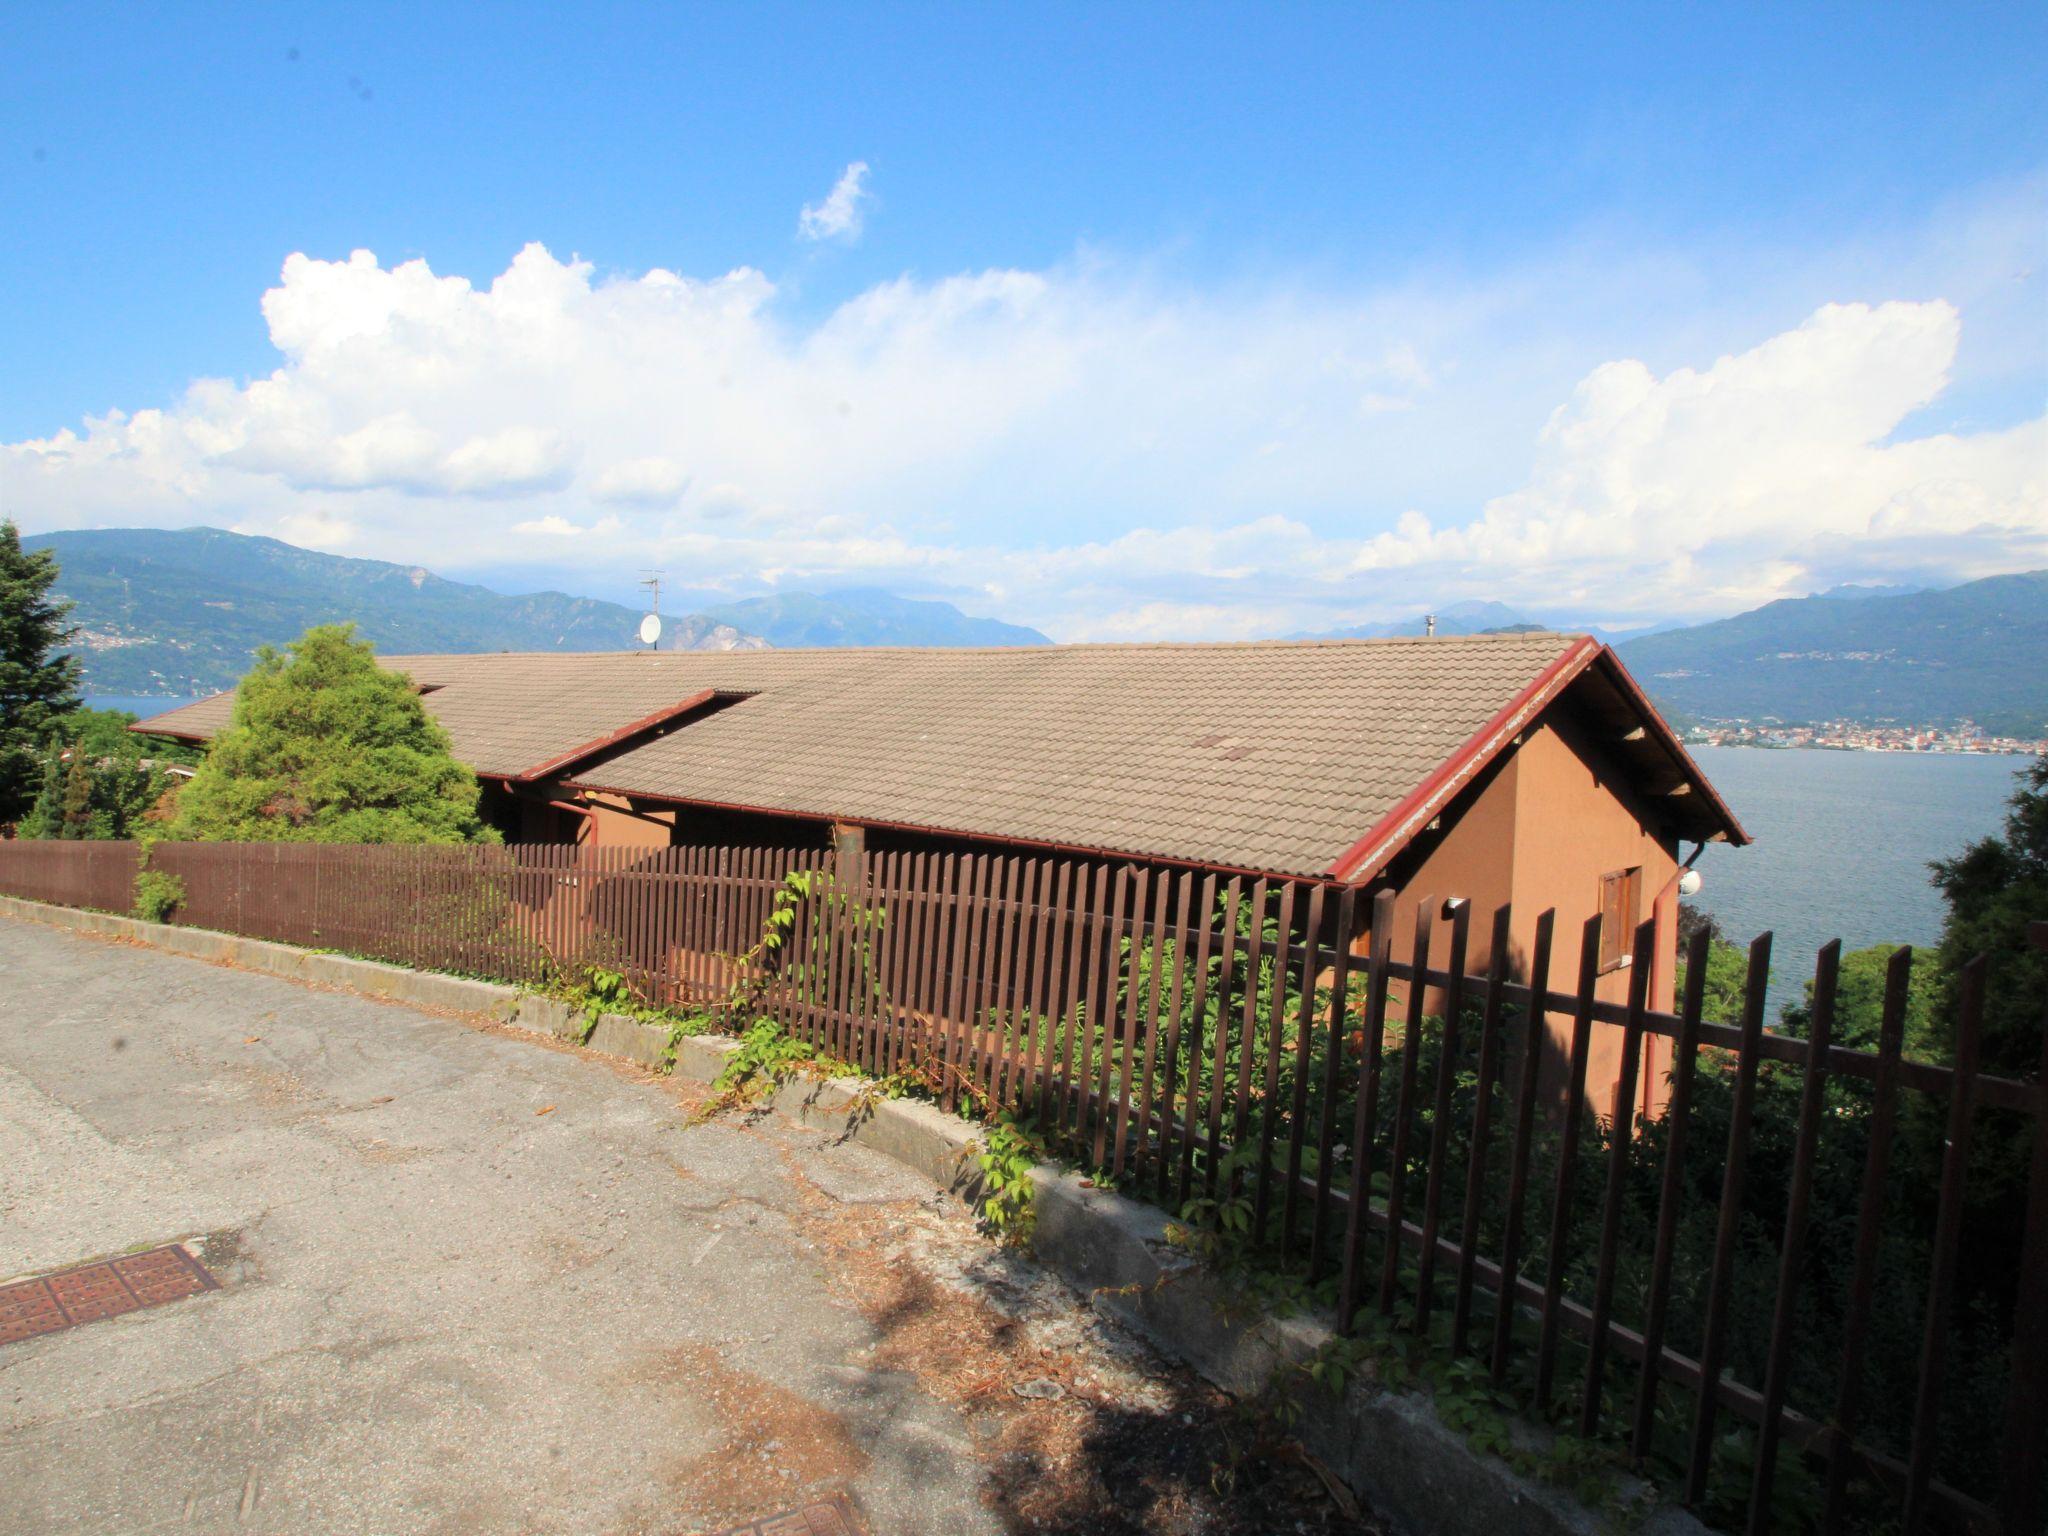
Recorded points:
(1481,616)
(864,616)
(1467,618)
(1977,652)
(181,612)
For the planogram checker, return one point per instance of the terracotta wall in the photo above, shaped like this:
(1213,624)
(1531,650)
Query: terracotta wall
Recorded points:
(614,823)
(1470,855)
(1540,830)
(1578,819)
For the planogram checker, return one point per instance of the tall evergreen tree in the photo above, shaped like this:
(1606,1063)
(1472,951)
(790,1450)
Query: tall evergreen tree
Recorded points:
(77,816)
(38,686)
(327,747)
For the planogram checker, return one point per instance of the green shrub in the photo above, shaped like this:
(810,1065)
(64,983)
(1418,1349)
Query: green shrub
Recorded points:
(157,895)
(325,746)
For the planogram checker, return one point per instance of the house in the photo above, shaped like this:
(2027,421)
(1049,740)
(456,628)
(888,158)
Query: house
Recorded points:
(1525,768)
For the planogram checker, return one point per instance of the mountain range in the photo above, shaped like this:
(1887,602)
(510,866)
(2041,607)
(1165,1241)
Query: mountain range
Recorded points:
(1905,655)
(1975,652)
(865,616)
(181,612)
(1477,616)
(1474,617)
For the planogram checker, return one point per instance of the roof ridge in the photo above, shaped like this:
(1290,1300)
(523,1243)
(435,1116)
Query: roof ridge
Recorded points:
(1354,643)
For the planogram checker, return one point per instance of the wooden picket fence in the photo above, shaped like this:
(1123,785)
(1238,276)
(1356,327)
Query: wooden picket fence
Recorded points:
(1399,1133)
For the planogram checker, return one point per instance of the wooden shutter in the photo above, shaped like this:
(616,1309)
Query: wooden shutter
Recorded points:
(1619,893)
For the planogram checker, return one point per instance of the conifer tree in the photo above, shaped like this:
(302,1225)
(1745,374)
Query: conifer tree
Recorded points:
(325,746)
(38,685)
(77,825)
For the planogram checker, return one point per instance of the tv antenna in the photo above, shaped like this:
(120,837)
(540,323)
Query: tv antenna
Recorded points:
(650,627)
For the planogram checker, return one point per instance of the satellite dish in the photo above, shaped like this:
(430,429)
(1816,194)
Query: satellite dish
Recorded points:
(650,629)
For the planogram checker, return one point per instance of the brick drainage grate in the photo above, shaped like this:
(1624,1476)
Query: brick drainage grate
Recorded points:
(828,1517)
(89,1292)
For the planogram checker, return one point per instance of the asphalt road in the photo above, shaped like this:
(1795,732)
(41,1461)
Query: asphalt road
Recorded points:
(474,1282)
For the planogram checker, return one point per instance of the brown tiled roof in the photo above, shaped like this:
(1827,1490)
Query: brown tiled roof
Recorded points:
(1277,756)
(510,713)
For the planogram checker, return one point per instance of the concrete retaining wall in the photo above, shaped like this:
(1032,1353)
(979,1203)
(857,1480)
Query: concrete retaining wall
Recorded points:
(1390,1447)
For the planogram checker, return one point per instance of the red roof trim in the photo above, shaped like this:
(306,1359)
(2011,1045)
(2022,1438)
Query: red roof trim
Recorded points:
(562,760)
(1371,853)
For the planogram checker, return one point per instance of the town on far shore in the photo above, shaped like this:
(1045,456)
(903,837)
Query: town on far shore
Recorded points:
(1857,736)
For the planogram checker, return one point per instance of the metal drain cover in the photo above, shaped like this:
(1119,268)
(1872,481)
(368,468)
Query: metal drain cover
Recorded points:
(89,1292)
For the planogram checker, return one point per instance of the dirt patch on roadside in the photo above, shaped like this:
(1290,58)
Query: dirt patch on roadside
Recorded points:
(779,1447)
(1104,1439)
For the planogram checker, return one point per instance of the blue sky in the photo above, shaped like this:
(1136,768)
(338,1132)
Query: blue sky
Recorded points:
(1182,321)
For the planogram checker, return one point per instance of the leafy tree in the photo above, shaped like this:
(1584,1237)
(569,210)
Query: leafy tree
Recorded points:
(103,734)
(325,746)
(1994,888)
(37,687)
(85,797)
(46,813)
(1727,966)
(100,780)
(1692,919)
(1859,1002)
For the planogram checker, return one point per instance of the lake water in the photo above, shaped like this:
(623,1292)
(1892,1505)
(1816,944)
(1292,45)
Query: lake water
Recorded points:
(1843,840)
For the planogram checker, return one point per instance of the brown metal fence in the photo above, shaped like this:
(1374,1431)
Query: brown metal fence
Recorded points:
(83,874)
(671,921)
(1778,1252)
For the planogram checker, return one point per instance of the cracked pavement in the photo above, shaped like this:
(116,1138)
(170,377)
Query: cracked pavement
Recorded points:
(476,1281)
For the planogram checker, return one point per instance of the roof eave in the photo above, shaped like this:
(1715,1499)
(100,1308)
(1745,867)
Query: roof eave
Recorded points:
(150,727)
(144,728)
(1399,827)
(1729,829)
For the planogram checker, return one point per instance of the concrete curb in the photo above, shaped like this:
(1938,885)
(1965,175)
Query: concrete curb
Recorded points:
(1390,1447)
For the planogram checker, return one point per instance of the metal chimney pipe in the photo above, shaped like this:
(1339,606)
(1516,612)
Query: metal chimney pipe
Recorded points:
(1429,625)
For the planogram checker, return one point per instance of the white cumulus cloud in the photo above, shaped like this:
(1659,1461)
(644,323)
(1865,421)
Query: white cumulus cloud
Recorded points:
(1089,447)
(1738,476)
(648,482)
(844,210)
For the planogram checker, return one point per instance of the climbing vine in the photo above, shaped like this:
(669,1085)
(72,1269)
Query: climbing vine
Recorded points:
(768,1054)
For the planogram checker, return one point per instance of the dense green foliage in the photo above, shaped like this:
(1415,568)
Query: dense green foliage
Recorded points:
(1971,652)
(81,798)
(100,780)
(38,684)
(1859,1003)
(157,895)
(1727,967)
(1994,888)
(326,746)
